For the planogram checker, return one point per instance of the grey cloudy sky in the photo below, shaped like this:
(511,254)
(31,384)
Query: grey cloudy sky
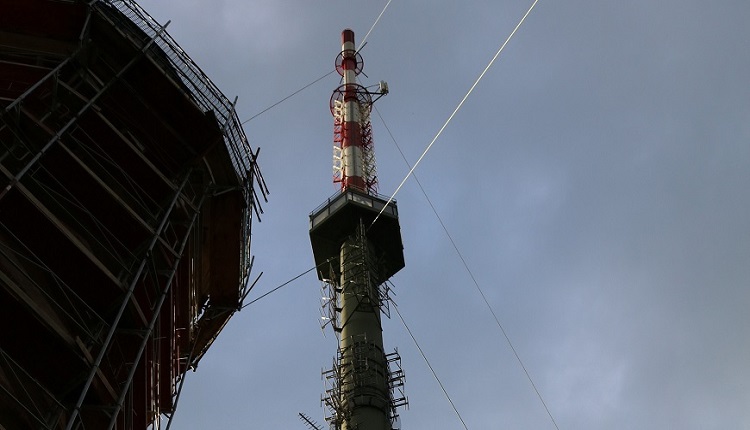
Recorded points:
(596,183)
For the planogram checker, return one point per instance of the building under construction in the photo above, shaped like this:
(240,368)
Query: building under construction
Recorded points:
(126,198)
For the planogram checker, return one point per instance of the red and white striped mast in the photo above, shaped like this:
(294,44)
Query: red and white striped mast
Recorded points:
(351,103)
(351,143)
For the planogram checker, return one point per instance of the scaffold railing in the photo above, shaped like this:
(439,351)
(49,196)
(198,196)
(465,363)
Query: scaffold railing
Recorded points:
(199,87)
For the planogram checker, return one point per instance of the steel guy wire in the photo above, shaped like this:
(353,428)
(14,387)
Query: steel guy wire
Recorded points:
(460,104)
(430,366)
(364,39)
(287,97)
(283,285)
(471,274)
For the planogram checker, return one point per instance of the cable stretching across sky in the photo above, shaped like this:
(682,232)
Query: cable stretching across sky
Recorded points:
(411,171)
(364,39)
(460,104)
(473,279)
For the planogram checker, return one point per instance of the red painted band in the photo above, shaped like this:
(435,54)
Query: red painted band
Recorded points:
(351,134)
(355,182)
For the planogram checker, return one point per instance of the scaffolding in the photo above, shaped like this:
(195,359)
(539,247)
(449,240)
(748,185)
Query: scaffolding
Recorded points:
(125,215)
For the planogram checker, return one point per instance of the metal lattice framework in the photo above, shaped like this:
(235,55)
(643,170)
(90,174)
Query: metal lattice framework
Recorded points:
(207,96)
(354,363)
(125,215)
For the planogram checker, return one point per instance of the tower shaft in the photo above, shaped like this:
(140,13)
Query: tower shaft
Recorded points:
(364,371)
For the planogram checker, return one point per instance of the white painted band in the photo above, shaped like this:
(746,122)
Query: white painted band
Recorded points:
(351,112)
(350,77)
(353,162)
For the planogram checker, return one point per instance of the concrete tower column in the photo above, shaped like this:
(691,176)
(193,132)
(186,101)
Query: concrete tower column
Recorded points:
(364,370)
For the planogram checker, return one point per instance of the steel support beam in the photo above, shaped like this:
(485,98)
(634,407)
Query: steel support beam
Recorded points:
(32,88)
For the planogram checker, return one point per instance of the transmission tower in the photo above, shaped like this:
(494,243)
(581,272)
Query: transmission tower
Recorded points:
(356,242)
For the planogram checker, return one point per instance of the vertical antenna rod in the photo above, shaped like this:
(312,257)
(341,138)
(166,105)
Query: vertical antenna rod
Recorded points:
(365,385)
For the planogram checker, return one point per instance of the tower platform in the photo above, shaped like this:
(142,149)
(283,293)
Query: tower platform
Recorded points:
(338,218)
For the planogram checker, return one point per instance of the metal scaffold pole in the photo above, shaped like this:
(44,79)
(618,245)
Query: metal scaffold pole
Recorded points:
(156,311)
(135,279)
